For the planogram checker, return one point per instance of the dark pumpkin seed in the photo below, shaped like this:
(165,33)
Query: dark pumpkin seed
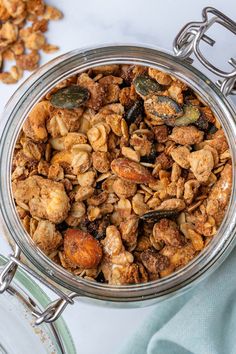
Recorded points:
(202,123)
(163,107)
(70,97)
(134,112)
(144,85)
(155,215)
(190,116)
(212,128)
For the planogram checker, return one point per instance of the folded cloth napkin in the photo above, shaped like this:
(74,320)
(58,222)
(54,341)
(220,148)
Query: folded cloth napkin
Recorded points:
(202,321)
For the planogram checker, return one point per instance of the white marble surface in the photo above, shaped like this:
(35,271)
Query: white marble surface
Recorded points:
(94,22)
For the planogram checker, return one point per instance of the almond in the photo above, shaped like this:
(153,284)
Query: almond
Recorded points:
(82,249)
(131,171)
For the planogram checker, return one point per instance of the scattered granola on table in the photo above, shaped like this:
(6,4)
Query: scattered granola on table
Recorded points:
(121,174)
(22,27)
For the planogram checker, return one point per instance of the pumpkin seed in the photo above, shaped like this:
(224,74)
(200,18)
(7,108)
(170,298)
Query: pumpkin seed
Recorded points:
(191,115)
(70,97)
(202,123)
(134,112)
(212,129)
(144,85)
(163,107)
(156,215)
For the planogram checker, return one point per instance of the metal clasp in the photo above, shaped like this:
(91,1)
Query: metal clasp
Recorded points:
(188,41)
(55,308)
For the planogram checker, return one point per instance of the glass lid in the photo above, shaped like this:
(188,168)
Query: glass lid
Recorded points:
(18,334)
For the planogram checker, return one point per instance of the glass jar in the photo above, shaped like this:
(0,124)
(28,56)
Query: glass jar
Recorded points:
(16,305)
(42,81)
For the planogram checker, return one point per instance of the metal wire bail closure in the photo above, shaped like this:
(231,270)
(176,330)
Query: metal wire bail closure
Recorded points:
(54,308)
(187,42)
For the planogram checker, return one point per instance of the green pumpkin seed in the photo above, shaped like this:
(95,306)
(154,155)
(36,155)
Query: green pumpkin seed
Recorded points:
(190,116)
(70,97)
(156,215)
(163,107)
(144,85)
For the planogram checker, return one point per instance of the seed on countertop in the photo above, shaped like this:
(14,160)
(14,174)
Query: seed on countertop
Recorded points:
(70,97)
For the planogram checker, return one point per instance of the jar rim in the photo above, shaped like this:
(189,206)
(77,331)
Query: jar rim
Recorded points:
(36,87)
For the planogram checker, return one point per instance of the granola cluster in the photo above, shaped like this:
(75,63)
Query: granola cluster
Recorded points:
(22,27)
(121,174)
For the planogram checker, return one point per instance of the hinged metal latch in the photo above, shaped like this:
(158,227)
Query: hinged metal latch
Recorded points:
(188,41)
(55,308)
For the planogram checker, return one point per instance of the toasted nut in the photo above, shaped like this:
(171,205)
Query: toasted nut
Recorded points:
(34,126)
(46,237)
(191,234)
(97,136)
(220,194)
(124,189)
(179,257)
(131,171)
(123,258)
(181,155)
(129,231)
(47,199)
(159,76)
(201,163)
(112,243)
(68,141)
(82,249)
(124,207)
(166,231)
(153,261)
(187,135)
(190,190)
(139,207)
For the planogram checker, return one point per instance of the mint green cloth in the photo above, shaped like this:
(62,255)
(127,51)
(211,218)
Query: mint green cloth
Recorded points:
(202,321)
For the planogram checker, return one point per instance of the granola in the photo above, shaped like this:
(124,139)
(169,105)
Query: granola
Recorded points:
(23,24)
(120,174)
